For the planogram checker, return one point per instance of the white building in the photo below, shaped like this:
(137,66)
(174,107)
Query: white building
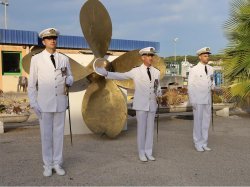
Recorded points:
(185,67)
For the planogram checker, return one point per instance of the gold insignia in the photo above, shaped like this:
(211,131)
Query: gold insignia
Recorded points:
(52,31)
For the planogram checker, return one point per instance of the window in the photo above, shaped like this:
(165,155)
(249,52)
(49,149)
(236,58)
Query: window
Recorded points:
(11,63)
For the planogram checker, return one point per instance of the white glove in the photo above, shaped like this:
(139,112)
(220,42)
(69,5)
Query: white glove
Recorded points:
(69,81)
(38,111)
(158,93)
(159,99)
(101,70)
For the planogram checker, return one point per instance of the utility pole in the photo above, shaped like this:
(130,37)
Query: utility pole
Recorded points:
(5,3)
(175,41)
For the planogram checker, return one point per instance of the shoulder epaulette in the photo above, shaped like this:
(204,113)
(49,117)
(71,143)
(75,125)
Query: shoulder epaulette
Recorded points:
(62,54)
(136,66)
(36,53)
(157,69)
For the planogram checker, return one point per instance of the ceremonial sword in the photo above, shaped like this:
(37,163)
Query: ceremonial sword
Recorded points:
(69,117)
(156,84)
(64,73)
(157,122)
(212,108)
(212,100)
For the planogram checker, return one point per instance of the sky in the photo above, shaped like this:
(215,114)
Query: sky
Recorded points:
(196,23)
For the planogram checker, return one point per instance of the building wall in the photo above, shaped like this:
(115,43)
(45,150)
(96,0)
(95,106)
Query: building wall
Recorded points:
(9,82)
(23,41)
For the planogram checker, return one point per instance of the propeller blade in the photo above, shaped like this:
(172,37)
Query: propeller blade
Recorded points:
(159,63)
(79,72)
(125,63)
(80,85)
(104,108)
(27,58)
(96,27)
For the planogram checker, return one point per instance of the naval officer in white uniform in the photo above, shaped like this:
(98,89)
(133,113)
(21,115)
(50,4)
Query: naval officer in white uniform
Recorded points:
(147,89)
(200,84)
(50,73)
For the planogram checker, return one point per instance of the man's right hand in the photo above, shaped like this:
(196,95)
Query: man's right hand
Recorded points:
(69,81)
(101,70)
(38,111)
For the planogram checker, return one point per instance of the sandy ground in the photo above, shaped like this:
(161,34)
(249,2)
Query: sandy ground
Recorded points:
(95,160)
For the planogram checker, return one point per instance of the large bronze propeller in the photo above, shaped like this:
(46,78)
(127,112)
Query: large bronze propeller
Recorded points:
(104,106)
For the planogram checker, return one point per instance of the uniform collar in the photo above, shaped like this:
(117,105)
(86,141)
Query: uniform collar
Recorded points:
(48,54)
(143,66)
(201,64)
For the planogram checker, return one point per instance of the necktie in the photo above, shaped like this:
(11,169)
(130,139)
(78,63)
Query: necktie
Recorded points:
(149,74)
(53,60)
(206,69)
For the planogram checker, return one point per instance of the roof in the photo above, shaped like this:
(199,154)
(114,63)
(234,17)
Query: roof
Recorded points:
(20,37)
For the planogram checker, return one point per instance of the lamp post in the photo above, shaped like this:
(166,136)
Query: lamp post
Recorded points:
(174,65)
(5,3)
(175,41)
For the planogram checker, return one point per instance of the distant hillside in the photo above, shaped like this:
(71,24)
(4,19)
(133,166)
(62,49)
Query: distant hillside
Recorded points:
(191,59)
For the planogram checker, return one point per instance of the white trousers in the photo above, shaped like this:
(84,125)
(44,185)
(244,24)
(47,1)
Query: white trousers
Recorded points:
(202,118)
(52,133)
(145,132)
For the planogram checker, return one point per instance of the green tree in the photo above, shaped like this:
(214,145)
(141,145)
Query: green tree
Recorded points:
(237,61)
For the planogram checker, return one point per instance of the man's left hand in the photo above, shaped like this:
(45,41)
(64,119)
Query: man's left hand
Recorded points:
(69,81)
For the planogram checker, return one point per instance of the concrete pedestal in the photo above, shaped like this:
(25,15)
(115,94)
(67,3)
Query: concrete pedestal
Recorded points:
(78,125)
(223,113)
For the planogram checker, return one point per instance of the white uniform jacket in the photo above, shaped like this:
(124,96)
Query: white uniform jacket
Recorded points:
(200,84)
(145,93)
(50,96)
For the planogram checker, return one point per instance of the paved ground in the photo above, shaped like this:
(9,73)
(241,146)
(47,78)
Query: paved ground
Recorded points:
(95,160)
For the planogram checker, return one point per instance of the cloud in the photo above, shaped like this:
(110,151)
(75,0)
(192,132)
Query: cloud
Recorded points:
(159,20)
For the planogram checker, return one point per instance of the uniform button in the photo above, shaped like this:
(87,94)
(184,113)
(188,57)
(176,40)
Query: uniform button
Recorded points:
(56,94)
(55,78)
(55,86)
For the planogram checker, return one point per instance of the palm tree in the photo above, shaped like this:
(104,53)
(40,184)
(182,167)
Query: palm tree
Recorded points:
(237,62)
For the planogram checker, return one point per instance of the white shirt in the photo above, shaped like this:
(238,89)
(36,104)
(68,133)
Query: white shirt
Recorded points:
(200,84)
(145,93)
(50,96)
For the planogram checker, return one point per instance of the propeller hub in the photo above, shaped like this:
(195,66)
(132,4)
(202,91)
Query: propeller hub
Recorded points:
(101,63)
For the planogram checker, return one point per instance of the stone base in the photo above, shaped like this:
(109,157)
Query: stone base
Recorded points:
(78,126)
(14,118)
(223,113)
